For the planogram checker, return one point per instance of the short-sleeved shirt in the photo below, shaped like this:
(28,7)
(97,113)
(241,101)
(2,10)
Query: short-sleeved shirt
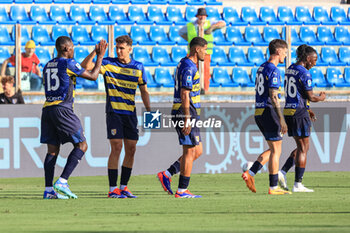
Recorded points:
(121,81)
(187,77)
(59,79)
(268,76)
(17,98)
(28,64)
(298,81)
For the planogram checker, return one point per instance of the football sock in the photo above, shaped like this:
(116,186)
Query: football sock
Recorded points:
(48,189)
(173,169)
(183,182)
(112,177)
(273,180)
(49,168)
(287,165)
(299,173)
(72,161)
(181,190)
(255,168)
(111,188)
(125,176)
(62,180)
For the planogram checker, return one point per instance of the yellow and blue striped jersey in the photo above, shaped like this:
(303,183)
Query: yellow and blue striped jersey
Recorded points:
(59,79)
(121,81)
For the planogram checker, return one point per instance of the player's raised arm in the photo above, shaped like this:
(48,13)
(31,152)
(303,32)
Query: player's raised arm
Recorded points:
(100,50)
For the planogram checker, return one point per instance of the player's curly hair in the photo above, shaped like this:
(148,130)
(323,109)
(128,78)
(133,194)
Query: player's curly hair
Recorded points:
(303,51)
(124,39)
(276,44)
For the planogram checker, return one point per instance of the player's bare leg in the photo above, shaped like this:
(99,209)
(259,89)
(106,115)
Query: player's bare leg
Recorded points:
(113,164)
(130,149)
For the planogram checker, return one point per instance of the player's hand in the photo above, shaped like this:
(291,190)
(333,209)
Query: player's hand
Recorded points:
(101,48)
(322,95)
(284,127)
(186,130)
(312,115)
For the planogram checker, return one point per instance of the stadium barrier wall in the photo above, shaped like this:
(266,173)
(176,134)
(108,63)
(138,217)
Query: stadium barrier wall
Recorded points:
(224,149)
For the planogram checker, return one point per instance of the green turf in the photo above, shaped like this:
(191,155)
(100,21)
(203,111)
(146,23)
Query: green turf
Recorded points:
(227,206)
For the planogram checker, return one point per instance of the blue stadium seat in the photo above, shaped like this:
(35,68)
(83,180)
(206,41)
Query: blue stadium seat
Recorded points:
(140,54)
(156,15)
(230,15)
(4,17)
(233,34)
(295,36)
(346,75)
(158,35)
(177,2)
(307,35)
(158,2)
(19,14)
(219,58)
(213,2)
(335,77)
(249,15)
(116,14)
(24,35)
(101,1)
(41,35)
(174,35)
(88,84)
(221,77)
(59,14)
(163,77)
(321,15)
(139,35)
(177,53)
(330,57)
(63,1)
(213,14)
(344,55)
(195,2)
(119,31)
(325,35)
(98,33)
(23,1)
(342,35)
(338,15)
(4,54)
(253,36)
(6,1)
(150,79)
(81,36)
(240,76)
(175,16)
(318,78)
(285,14)
(141,2)
(137,15)
(120,1)
(98,15)
(59,30)
(190,14)
(282,73)
(256,56)
(219,38)
(294,54)
(161,56)
(270,33)
(302,14)
(253,72)
(237,56)
(38,14)
(267,15)
(5,37)
(80,53)
(78,14)
(43,55)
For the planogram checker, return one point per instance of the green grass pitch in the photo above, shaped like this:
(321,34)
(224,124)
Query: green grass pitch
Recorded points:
(227,206)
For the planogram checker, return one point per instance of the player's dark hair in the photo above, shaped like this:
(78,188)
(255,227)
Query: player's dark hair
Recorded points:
(303,51)
(277,44)
(124,39)
(198,41)
(60,41)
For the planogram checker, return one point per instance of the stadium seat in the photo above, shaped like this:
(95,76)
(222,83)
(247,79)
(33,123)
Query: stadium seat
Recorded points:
(190,14)
(338,15)
(163,77)
(256,56)
(156,15)
(98,15)
(137,15)
(230,15)
(63,1)
(295,36)
(233,34)
(43,55)
(325,35)
(139,35)
(158,2)
(253,36)
(24,35)
(150,79)
(161,56)
(119,31)
(158,35)
(98,33)
(80,53)
(175,16)
(267,15)
(101,1)
(4,17)
(174,35)
(346,75)
(141,2)
(213,14)
(38,14)
(282,73)
(116,14)
(6,1)
(302,14)
(41,35)
(248,14)
(330,57)
(270,33)
(140,54)
(5,37)
(221,77)
(177,2)
(294,54)
(335,77)
(213,2)
(307,35)
(78,15)
(240,76)
(120,1)
(237,56)
(59,14)
(285,15)
(195,2)
(318,78)
(4,54)
(59,30)
(82,1)
(23,1)
(219,58)
(342,35)
(321,15)
(88,84)
(344,55)
(81,36)
(253,72)
(177,53)
(219,38)
(19,14)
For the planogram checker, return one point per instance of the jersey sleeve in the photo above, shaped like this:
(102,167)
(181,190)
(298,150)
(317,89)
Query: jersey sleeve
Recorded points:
(306,81)
(187,78)
(274,80)
(74,68)
(142,79)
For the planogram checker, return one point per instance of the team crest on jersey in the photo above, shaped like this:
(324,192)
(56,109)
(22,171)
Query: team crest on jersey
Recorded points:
(197,138)
(189,79)
(274,80)
(309,83)
(113,131)
(78,66)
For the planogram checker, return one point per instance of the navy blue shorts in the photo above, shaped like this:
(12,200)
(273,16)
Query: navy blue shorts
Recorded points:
(298,126)
(121,126)
(193,139)
(60,125)
(269,125)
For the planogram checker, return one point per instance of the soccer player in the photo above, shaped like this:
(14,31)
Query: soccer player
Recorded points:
(268,115)
(59,124)
(186,106)
(122,75)
(298,93)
